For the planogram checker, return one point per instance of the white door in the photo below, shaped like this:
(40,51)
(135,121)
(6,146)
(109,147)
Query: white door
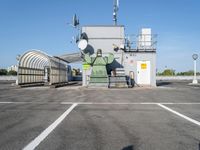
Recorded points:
(143,72)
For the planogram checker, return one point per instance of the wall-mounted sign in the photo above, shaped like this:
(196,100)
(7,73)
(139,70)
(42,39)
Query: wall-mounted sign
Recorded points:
(86,66)
(143,66)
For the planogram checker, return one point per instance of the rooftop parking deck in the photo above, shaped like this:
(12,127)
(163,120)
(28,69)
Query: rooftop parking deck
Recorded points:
(73,117)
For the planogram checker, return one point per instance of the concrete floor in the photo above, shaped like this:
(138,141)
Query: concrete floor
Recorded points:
(101,119)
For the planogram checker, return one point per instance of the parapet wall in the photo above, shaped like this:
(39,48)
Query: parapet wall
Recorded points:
(176,77)
(8,78)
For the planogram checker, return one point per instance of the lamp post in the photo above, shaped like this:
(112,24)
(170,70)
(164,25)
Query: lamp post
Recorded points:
(195,57)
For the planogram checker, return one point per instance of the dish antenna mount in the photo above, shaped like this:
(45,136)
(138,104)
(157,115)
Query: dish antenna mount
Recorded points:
(75,21)
(115,10)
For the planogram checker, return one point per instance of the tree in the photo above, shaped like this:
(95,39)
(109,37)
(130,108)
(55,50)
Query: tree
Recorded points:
(12,72)
(3,72)
(187,73)
(168,72)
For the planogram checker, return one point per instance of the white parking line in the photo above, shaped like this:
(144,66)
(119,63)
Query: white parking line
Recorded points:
(13,102)
(108,103)
(21,102)
(128,103)
(33,144)
(179,114)
(102,103)
(5,102)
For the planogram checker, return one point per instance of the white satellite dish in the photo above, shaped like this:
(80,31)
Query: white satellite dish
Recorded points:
(82,44)
(122,46)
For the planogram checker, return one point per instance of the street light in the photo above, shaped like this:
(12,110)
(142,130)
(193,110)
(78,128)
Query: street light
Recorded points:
(195,57)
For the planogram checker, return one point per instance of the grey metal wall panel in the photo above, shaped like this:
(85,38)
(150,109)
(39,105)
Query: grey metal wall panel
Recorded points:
(104,31)
(130,63)
(103,37)
(105,44)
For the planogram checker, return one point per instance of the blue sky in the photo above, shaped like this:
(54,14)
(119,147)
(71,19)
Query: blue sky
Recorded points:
(43,24)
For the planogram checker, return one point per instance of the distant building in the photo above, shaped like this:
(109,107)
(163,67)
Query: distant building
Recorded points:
(13,68)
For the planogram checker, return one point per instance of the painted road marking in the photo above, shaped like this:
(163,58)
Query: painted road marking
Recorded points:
(5,102)
(21,102)
(13,102)
(33,144)
(108,103)
(179,114)
(142,103)
(103,103)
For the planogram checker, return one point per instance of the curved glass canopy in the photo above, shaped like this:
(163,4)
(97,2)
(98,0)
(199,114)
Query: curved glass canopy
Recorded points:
(37,67)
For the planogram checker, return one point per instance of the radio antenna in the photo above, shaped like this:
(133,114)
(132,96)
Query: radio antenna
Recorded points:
(115,10)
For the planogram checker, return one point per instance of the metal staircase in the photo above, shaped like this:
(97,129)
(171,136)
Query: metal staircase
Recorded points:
(118,79)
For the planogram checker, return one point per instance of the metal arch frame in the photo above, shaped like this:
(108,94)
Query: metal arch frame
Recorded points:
(32,52)
(32,63)
(31,67)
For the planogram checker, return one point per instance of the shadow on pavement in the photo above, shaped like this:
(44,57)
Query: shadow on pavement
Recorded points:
(130,147)
(163,83)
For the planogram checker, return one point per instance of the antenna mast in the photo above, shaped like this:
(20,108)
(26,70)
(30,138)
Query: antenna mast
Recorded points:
(115,10)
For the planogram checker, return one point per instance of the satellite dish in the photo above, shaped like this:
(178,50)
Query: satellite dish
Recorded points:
(122,46)
(82,44)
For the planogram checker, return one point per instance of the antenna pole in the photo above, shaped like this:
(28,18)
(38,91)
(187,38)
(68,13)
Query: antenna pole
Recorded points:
(115,9)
